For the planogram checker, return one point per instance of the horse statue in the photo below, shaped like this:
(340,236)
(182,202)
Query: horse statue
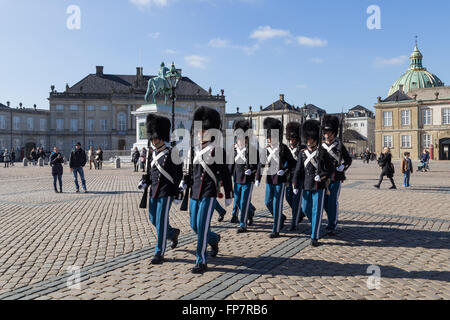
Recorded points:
(157,85)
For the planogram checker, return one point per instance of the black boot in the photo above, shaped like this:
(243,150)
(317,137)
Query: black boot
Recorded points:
(157,259)
(315,243)
(242,230)
(221,216)
(199,268)
(274,235)
(215,248)
(175,239)
(234,219)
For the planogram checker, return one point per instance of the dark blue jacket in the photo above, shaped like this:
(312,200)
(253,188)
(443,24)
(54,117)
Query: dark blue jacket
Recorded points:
(304,176)
(77,158)
(56,163)
(160,186)
(237,169)
(347,161)
(287,163)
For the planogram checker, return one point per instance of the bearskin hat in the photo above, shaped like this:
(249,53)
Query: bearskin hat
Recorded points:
(293,130)
(330,123)
(241,124)
(210,118)
(158,127)
(272,124)
(311,130)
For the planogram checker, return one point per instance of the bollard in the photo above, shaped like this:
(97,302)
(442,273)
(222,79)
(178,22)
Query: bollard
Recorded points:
(117,163)
(25,162)
(41,162)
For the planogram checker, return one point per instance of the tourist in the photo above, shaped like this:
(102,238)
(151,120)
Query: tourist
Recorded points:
(387,168)
(99,158)
(143,158)
(77,161)
(6,158)
(33,156)
(366,156)
(13,158)
(425,159)
(56,162)
(407,169)
(91,157)
(135,159)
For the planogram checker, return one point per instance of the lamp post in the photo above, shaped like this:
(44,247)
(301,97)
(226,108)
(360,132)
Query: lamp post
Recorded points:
(173,78)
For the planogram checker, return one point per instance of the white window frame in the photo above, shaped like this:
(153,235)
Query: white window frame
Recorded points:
(388,141)
(406,117)
(387,118)
(446,116)
(427,117)
(43,124)
(2,122)
(122,121)
(90,125)
(104,124)
(30,124)
(74,125)
(406,141)
(59,121)
(427,140)
(16,123)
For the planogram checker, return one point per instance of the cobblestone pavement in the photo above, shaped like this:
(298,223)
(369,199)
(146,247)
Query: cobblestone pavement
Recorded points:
(403,234)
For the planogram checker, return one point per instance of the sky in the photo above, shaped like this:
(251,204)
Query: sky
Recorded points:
(319,52)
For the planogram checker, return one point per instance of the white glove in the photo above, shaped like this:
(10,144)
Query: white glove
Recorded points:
(182,186)
(296,191)
(177,202)
(281,173)
(228,202)
(340,168)
(317,178)
(248,172)
(257,183)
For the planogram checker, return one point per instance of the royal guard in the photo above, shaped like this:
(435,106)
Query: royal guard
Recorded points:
(203,176)
(314,168)
(244,171)
(279,163)
(342,161)
(163,178)
(293,136)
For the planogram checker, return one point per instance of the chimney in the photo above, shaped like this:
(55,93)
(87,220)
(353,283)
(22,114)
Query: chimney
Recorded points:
(139,72)
(34,106)
(237,109)
(282,97)
(8,103)
(99,70)
(20,105)
(222,92)
(400,88)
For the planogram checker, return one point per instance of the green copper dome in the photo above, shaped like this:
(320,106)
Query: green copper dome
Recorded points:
(416,77)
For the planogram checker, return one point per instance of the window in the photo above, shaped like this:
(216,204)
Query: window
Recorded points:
(16,123)
(74,142)
(122,121)
(104,124)
(73,124)
(427,140)
(59,124)
(104,108)
(445,116)
(90,108)
(387,141)
(2,144)
(59,107)
(43,124)
(90,125)
(406,116)
(30,123)
(73,108)
(2,123)
(91,143)
(355,125)
(406,141)
(230,124)
(387,118)
(363,125)
(427,117)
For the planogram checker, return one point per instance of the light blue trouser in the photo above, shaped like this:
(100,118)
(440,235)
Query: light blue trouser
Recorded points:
(332,204)
(274,202)
(244,192)
(237,202)
(200,212)
(312,205)
(406,177)
(219,208)
(294,201)
(80,171)
(159,216)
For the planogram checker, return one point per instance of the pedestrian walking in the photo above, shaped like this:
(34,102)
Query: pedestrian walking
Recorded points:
(56,162)
(33,156)
(6,158)
(425,159)
(366,156)
(77,161)
(13,158)
(91,157)
(135,159)
(143,158)
(387,168)
(99,158)
(407,169)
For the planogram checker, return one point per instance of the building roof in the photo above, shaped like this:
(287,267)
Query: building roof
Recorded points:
(416,76)
(2,106)
(397,96)
(310,108)
(280,104)
(359,107)
(352,135)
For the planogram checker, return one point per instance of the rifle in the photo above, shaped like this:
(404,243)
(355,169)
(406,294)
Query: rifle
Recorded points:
(185,204)
(319,146)
(146,178)
(341,134)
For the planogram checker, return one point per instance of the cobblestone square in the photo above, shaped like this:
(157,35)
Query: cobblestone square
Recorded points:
(45,238)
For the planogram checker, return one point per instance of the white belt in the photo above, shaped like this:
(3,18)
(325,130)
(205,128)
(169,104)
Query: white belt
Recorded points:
(310,158)
(330,150)
(199,159)
(158,166)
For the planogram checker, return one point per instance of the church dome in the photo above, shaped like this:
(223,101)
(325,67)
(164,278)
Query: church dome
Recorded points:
(416,76)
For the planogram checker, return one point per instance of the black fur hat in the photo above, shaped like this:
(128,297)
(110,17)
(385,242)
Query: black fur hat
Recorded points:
(158,127)
(210,118)
(293,130)
(311,130)
(241,124)
(330,123)
(272,124)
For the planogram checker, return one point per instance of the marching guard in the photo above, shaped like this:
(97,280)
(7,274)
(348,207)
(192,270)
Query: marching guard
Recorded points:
(314,168)
(278,154)
(203,176)
(163,178)
(293,136)
(338,152)
(244,173)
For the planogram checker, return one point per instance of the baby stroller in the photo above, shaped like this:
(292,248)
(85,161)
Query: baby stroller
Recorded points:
(423,166)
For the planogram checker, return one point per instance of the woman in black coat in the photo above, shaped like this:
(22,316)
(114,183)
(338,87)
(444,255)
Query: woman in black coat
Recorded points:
(56,162)
(387,168)
(135,159)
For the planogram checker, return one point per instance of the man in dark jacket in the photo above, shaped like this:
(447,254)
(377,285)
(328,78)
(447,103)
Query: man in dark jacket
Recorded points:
(56,162)
(77,161)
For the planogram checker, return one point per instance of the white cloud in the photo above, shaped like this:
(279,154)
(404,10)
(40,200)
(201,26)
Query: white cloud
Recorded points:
(218,43)
(154,35)
(170,51)
(197,61)
(311,42)
(317,60)
(396,61)
(147,3)
(267,32)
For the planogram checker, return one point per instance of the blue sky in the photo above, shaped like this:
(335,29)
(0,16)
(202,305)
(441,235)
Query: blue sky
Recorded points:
(318,52)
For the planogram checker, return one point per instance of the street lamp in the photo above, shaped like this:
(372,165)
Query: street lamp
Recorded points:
(173,78)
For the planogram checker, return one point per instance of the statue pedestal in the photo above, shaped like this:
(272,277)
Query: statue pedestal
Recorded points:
(182,120)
